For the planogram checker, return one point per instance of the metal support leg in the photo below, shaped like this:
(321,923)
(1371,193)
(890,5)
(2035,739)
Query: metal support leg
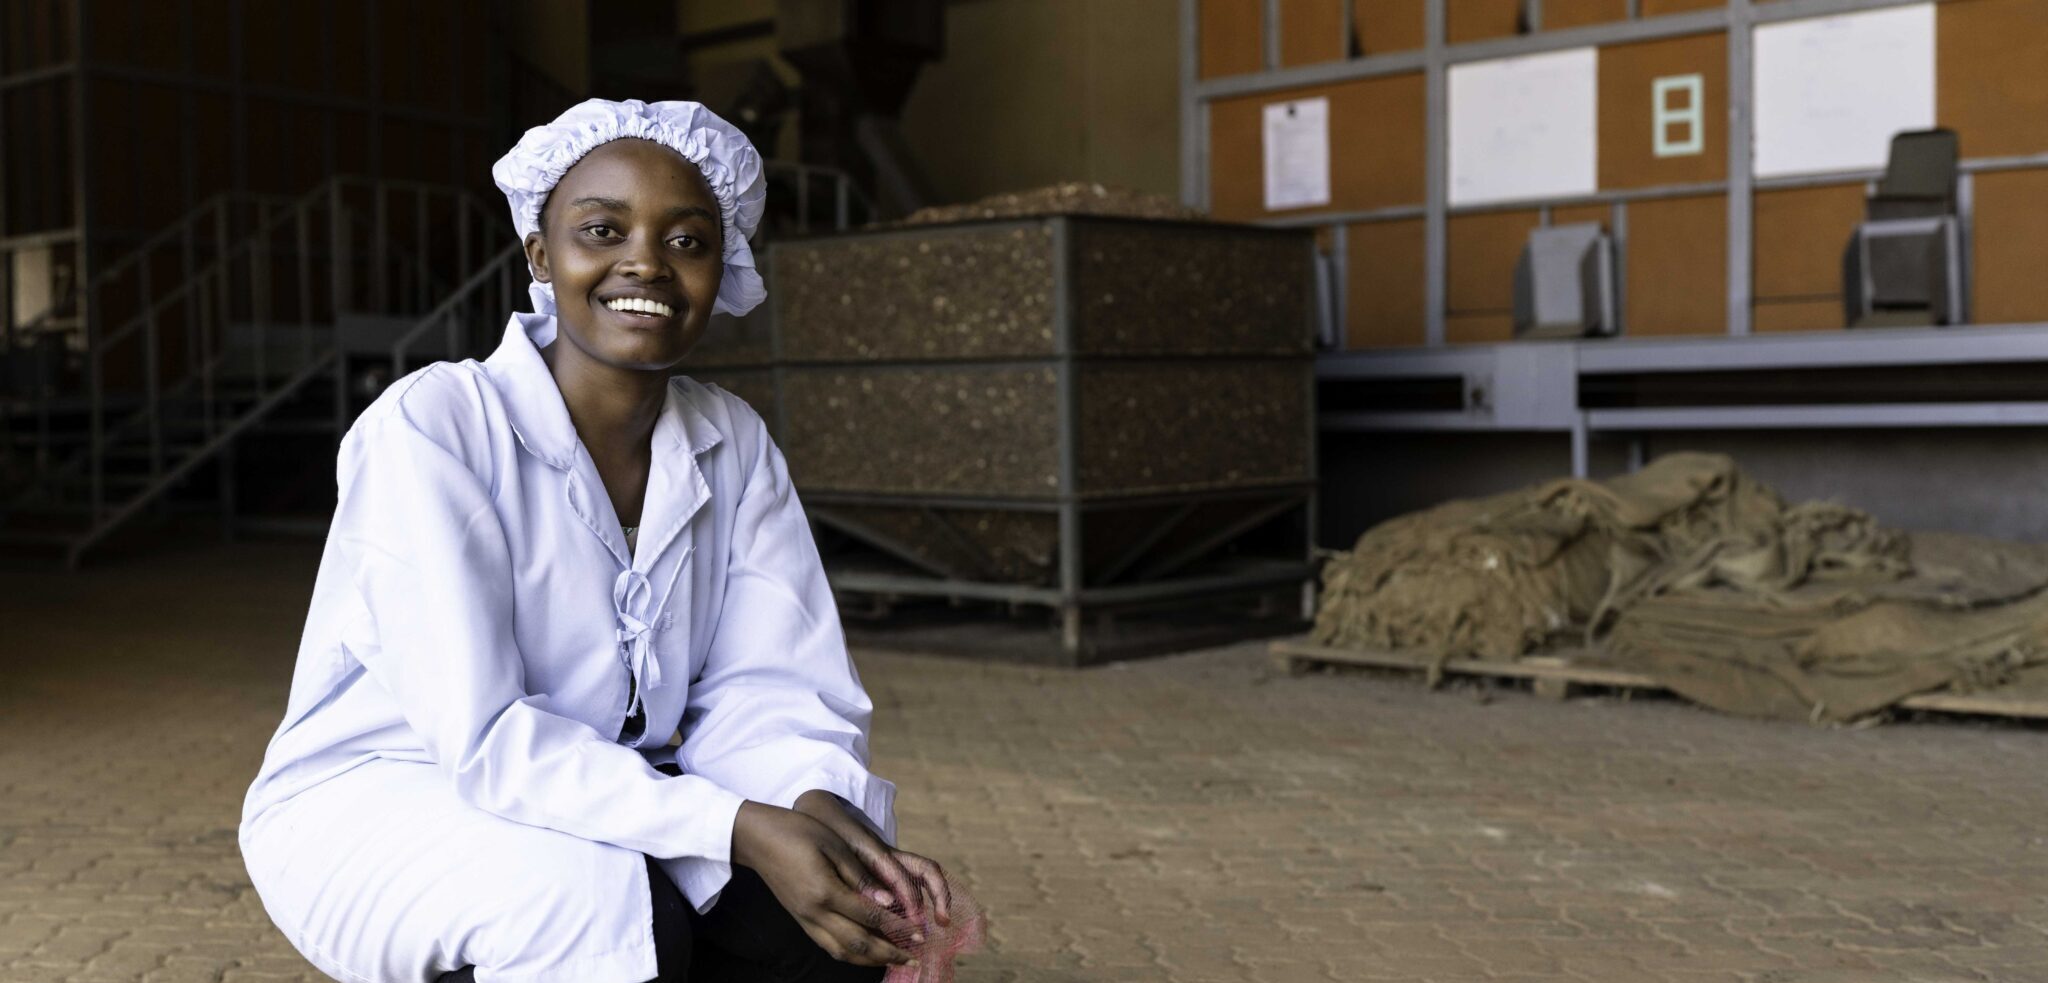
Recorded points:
(227,492)
(1579,450)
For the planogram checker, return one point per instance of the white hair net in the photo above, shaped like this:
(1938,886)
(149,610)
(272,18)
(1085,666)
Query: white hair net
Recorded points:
(730,164)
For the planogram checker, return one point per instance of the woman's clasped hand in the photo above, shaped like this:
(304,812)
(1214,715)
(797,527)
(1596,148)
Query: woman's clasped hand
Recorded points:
(858,898)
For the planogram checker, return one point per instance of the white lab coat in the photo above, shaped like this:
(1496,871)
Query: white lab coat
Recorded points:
(446,787)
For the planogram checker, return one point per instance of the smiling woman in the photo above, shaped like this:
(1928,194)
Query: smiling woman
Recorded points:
(525,744)
(631,244)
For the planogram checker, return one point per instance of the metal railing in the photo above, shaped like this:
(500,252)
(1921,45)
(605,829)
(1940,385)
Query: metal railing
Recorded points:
(210,324)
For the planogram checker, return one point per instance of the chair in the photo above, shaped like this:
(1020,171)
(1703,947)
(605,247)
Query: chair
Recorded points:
(1564,283)
(1903,265)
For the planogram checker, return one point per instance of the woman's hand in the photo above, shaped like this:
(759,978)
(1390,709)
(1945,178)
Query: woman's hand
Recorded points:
(820,879)
(905,874)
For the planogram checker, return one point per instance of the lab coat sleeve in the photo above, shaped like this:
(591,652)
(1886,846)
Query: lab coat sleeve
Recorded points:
(432,566)
(779,709)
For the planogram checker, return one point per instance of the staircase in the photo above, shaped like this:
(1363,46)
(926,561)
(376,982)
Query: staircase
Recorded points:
(262,315)
(248,307)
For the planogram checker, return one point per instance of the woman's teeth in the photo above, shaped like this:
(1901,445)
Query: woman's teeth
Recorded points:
(640,305)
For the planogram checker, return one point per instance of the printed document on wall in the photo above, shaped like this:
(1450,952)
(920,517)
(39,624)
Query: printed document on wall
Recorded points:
(1297,142)
(1524,127)
(1831,91)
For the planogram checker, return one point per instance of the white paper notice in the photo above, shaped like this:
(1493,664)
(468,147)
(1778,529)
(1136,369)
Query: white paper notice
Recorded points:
(1297,147)
(1524,127)
(1831,91)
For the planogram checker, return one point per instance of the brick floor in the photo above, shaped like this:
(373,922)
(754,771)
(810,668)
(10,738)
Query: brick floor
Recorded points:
(1188,818)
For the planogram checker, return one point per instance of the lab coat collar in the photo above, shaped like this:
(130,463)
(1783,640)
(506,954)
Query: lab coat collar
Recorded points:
(540,418)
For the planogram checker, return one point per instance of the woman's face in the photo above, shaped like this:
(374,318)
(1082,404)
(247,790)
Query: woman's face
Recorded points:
(630,238)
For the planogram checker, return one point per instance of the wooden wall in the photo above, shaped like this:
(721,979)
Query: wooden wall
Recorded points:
(395,88)
(1991,87)
(1376,147)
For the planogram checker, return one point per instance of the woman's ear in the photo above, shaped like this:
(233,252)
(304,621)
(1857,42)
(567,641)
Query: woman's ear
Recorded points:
(537,256)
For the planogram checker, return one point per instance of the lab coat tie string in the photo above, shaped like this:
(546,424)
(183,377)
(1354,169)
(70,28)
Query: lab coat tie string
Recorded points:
(630,592)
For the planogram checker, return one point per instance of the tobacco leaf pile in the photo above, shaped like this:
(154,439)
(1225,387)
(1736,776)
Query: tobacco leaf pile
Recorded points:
(1068,198)
(1695,574)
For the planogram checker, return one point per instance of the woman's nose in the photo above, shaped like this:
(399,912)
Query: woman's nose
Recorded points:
(643,259)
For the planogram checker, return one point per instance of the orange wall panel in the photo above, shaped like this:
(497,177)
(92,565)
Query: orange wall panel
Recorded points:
(1561,14)
(1376,147)
(1481,253)
(1233,37)
(1477,20)
(1382,26)
(1478,329)
(1991,75)
(1776,316)
(1574,214)
(1627,112)
(1677,266)
(1384,305)
(1311,31)
(1658,8)
(1800,236)
(2009,281)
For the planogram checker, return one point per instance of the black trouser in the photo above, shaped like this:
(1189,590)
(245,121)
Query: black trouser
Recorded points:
(748,937)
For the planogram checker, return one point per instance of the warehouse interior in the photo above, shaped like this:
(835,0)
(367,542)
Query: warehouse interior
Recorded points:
(1315,489)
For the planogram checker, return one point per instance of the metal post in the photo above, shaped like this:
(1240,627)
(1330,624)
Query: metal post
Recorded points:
(152,372)
(227,491)
(259,295)
(337,233)
(1193,149)
(1270,28)
(1069,478)
(1436,220)
(462,230)
(224,315)
(188,276)
(81,218)
(1741,218)
(1966,221)
(421,265)
(304,239)
(842,216)
(1618,218)
(1579,449)
(380,264)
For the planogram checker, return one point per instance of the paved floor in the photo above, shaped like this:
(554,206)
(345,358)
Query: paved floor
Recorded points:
(1187,818)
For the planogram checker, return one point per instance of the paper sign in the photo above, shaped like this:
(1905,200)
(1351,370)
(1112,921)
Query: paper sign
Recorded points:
(1524,127)
(1831,91)
(1297,143)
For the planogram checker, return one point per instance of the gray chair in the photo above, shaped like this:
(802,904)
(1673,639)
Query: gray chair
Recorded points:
(1564,283)
(1903,266)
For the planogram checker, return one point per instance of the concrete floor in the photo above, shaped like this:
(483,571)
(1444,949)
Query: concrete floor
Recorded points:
(1188,818)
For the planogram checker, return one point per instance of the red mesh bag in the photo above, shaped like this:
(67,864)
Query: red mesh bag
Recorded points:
(934,945)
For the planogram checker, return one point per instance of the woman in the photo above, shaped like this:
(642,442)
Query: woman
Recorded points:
(541,567)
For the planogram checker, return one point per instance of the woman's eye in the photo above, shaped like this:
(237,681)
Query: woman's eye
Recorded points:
(602,231)
(685,242)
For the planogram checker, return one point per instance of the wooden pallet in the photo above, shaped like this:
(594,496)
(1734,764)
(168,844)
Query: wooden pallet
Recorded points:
(1556,677)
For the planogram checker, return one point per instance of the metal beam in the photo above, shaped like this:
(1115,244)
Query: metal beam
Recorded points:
(1436,193)
(1595,35)
(1856,416)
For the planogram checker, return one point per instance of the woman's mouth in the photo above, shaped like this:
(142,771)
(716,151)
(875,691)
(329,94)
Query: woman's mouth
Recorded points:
(640,308)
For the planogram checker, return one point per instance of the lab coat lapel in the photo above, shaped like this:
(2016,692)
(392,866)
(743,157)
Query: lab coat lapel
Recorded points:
(540,419)
(676,487)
